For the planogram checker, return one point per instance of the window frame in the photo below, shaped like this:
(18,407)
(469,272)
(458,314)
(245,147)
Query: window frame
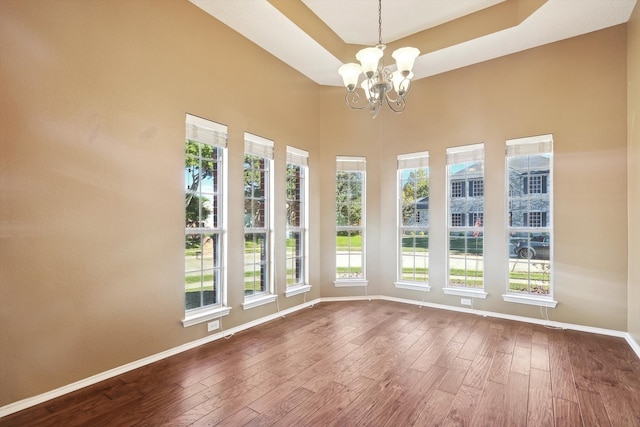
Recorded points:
(299,159)
(206,132)
(407,164)
(525,148)
(466,155)
(260,149)
(353,165)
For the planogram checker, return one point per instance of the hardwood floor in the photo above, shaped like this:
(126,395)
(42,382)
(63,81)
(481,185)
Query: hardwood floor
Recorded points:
(371,363)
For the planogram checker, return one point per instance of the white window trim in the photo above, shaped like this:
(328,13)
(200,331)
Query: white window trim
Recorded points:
(201,315)
(300,158)
(296,290)
(465,292)
(528,299)
(345,283)
(258,146)
(413,286)
(257,301)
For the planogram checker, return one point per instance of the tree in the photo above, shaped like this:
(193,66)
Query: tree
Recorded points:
(200,163)
(349,198)
(416,187)
(294,181)
(254,191)
(196,206)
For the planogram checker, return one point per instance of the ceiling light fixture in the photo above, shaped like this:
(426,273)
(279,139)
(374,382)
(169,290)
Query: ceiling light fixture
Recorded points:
(379,81)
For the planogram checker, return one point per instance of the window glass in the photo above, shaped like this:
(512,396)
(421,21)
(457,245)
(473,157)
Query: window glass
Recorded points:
(529,202)
(205,145)
(413,213)
(257,215)
(350,217)
(465,206)
(296,204)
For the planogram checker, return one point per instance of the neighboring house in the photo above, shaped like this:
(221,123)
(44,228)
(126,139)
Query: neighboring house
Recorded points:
(467,196)
(422,212)
(529,192)
(529,199)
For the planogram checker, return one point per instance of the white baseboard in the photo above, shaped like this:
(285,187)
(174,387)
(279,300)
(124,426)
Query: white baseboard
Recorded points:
(633,343)
(35,400)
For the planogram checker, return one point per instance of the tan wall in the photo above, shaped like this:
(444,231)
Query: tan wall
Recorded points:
(633,123)
(93,102)
(93,98)
(574,89)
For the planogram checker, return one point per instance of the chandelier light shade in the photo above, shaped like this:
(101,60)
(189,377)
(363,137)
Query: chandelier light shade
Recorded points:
(379,84)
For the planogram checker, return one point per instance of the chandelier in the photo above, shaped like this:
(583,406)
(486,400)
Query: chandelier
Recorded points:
(380,85)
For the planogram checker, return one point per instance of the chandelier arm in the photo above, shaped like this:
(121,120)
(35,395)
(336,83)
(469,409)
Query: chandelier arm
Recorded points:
(352,99)
(396,105)
(408,87)
(375,108)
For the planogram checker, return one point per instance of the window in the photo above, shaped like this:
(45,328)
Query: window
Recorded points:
(413,221)
(204,173)
(476,188)
(296,204)
(350,220)
(537,184)
(535,219)
(457,219)
(457,188)
(258,157)
(529,167)
(465,169)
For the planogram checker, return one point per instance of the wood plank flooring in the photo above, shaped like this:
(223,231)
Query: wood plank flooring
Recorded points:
(370,363)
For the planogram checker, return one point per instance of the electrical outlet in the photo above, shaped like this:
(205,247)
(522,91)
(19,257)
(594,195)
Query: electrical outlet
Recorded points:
(465,301)
(212,326)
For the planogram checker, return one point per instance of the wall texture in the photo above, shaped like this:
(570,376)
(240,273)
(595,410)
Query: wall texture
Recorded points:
(633,124)
(93,97)
(574,89)
(93,100)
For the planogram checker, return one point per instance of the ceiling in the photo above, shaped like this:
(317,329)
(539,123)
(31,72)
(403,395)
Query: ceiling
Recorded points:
(317,36)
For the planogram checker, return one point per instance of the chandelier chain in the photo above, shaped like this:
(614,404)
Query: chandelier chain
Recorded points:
(379,22)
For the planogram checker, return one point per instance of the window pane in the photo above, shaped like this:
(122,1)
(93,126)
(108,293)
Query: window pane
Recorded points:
(294,258)
(255,263)
(349,251)
(415,256)
(294,195)
(349,198)
(529,264)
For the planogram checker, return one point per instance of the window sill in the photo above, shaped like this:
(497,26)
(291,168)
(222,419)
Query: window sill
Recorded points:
(296,290)
(252,302)
(345,283)
(203,315)
(413,286)
(463,292)
(531,300)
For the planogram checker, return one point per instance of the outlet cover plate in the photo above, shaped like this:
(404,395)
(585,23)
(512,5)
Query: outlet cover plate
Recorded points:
(212,326)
